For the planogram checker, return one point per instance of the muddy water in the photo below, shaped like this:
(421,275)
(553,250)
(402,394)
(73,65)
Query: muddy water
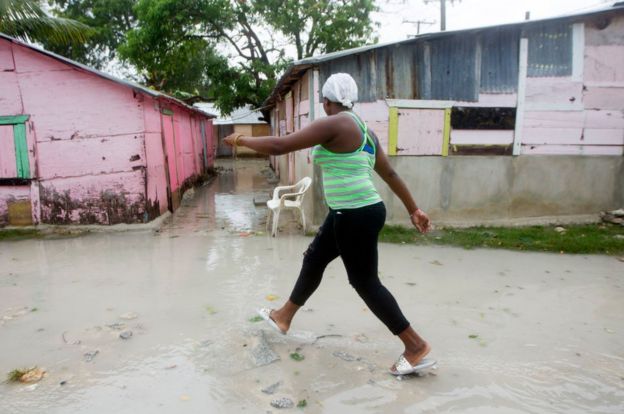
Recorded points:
(513,332)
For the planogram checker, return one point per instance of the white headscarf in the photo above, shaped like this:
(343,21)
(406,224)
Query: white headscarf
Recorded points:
(341,88)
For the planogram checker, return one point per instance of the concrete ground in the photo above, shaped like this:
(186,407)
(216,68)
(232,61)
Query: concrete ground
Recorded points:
(512,332)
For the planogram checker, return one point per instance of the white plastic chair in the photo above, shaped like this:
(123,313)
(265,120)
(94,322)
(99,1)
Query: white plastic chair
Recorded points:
(290,200)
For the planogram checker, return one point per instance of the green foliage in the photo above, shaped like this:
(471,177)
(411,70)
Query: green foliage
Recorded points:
(228,51)
(320,26)
(27,20)
(586,239)
(110,20)
(296,356)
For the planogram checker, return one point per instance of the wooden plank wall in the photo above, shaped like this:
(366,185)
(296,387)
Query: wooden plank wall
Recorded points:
(581,115)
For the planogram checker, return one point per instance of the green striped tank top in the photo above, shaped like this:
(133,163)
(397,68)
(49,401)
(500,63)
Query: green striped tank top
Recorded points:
(347,177)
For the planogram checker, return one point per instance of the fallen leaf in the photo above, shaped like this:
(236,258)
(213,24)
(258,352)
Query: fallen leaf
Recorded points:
(272,297)
(32,375)
(296,356)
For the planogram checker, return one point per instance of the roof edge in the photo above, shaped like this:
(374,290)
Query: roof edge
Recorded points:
(134,86)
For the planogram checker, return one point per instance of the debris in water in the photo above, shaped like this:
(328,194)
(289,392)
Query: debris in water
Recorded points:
(296,356)
(117,326)
(271,388)
(345,356)
(129,316)
(90,355)
(256,318)
(302,404)
(211,310)
(436,262)
(185,397)
(473,336)
(125,335)
(282,403)
(272,297)
(26,375)
(262,353)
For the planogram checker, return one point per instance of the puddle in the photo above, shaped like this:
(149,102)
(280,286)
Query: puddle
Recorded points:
(554,346)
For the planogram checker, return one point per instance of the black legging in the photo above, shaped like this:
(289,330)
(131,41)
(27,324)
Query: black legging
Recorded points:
(352,235)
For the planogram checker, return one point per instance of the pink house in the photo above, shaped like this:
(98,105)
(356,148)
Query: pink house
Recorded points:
(78,146)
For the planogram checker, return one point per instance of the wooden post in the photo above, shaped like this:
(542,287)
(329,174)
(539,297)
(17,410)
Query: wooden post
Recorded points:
(393,130)
(522,76)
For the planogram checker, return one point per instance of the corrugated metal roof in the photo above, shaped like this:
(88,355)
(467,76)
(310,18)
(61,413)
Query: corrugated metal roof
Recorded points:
(123,82)
(245,115)
(500,74)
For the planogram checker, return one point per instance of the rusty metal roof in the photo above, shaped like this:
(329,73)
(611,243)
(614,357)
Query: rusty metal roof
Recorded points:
(135,86)
(501,81)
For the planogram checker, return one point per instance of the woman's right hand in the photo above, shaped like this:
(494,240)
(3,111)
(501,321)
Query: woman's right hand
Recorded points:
(232,139)
(421,221)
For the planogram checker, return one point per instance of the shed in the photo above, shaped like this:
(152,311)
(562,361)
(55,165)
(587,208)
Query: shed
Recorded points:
(79,146)
(521,120)
(244,120)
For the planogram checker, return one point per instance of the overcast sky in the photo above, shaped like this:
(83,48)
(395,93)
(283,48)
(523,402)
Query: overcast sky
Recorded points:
(465,14)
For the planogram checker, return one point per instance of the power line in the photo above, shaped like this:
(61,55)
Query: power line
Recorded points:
(442,11)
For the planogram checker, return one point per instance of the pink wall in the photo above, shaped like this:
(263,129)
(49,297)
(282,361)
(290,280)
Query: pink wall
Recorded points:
(156,168)
(95,146)
(582,117)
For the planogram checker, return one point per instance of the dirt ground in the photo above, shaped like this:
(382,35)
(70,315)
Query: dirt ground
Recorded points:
(512,332)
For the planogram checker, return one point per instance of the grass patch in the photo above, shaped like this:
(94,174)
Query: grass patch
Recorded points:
(579,239)
(19,234)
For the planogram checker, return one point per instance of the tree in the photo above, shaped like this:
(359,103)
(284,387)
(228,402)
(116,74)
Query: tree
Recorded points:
(27,20)
(173,36)
(320,26)
(110,20)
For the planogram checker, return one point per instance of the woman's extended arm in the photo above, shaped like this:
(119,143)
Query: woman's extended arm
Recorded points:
(382,166)
(318,132)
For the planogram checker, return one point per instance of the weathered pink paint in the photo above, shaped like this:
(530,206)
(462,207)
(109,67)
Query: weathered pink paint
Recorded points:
(8,167)
(571,150)
(603,98)
(481,137)
(10,101)
(554,119)
(91,156)
(6,57)
(560,93)
(304,107)
(97,147)
(604,119)
(603,65)
(552,136)
(375,114)
(421,132)
(603,136)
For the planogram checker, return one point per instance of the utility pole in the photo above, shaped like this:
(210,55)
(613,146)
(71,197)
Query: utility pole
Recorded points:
(442,11)
(418,23)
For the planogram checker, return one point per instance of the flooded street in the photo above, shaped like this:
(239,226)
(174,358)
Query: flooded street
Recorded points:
(512,332)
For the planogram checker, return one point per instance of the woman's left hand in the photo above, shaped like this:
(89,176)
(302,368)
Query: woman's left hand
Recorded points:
(421,221)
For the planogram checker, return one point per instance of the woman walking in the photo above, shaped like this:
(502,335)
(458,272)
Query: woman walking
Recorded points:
(347,152)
